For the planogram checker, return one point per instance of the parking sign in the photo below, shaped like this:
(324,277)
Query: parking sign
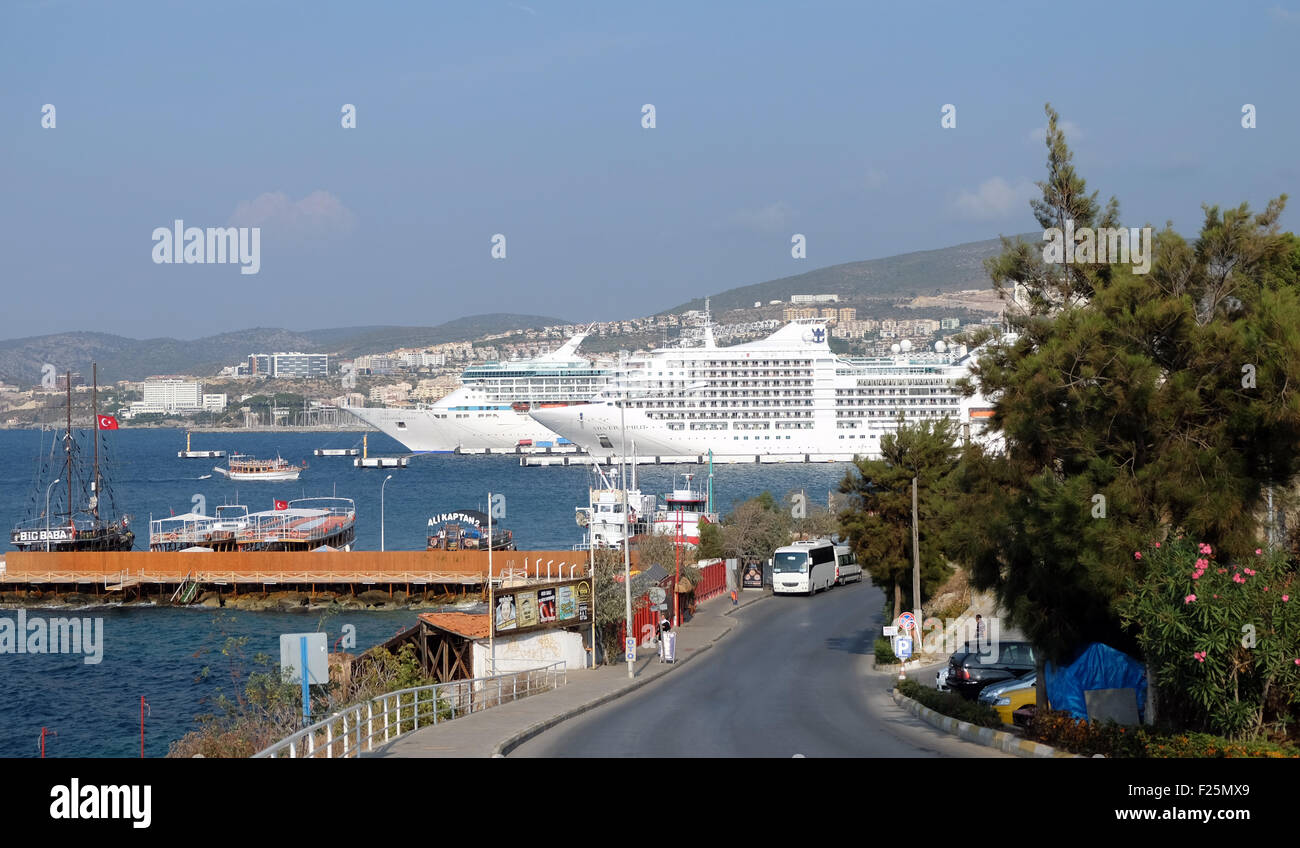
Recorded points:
(903,647)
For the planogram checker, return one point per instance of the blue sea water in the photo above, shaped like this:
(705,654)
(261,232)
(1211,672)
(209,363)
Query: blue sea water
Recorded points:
(158,653)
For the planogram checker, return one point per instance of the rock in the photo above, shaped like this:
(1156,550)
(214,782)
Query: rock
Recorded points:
(373,598)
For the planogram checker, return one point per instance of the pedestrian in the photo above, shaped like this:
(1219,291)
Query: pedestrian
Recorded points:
(667,642)
(734,601)
(981,630)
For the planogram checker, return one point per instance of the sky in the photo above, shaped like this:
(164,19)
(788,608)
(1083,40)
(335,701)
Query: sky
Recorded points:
(474,119)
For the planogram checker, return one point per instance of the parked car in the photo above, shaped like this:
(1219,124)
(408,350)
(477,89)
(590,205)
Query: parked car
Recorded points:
(971,671)
(1010,695)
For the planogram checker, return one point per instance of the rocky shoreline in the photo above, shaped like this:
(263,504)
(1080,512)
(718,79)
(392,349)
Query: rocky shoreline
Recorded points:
(254,601)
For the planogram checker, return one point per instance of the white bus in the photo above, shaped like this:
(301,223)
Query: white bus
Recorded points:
(804,567)
(846,565)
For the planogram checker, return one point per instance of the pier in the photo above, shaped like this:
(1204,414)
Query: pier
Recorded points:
(533,461)
(183,577)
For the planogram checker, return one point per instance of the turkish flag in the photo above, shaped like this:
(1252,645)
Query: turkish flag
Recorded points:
(106,422)
(281,504)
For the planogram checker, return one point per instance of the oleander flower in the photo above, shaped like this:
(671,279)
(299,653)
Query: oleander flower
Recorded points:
(1137,555)
(1189,599)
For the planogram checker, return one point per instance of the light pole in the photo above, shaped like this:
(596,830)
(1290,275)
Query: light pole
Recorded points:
(381,511)
(627,560)
(47,514)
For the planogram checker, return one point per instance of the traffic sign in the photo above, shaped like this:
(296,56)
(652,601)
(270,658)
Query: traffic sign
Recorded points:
(629,648)
(903,647)
(906,621)
(659,607)
(891,630)
(657,594)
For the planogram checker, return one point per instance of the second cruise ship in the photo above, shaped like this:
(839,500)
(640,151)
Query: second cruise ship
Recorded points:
(490,410)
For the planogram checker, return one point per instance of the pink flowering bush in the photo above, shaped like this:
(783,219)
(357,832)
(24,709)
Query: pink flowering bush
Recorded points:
(1222,641)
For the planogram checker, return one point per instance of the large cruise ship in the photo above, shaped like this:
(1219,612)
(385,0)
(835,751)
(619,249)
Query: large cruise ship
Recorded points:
(785,398)
(490,409)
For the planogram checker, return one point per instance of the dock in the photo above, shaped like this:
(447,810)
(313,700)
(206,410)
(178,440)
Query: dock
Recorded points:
(381,461)
(701,459)
(337,452)
(122,576)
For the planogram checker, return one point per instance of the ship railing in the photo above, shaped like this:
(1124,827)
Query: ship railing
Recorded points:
(366,578)
(359,729)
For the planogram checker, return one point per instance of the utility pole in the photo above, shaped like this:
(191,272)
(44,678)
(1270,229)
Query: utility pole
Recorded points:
(916,571)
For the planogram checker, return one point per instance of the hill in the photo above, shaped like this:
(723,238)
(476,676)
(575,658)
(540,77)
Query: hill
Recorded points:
(946,269)
(121,358)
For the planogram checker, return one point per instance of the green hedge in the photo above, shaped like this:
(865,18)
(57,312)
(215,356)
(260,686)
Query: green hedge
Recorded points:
(951,704)
(885,652)
(1061,730)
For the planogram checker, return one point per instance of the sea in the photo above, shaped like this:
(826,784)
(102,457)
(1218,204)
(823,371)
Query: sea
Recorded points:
(172,657)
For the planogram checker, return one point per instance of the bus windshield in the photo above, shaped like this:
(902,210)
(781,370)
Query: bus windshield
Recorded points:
(792,562)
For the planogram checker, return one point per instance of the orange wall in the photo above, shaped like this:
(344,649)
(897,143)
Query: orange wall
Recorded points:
(148,563)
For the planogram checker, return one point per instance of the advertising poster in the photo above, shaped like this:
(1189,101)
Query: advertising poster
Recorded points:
(505,613)
(753,577)
(567,603)
(583,593)
(527,604)
(546,605)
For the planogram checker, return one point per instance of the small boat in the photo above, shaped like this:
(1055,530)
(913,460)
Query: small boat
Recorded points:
(243,467)
(306,524)
(466,530)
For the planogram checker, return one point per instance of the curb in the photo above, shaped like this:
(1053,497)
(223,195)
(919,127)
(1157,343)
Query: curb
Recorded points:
(986,736)
(516,739)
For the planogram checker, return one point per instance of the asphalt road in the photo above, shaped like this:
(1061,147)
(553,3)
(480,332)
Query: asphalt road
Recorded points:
(793,678)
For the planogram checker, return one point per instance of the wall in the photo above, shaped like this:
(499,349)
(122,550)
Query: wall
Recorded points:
(285,565)
(530,650)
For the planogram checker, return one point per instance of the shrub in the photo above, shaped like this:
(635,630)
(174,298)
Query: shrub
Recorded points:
(951,704)
(1221,639)
(885,652)
(1078,736)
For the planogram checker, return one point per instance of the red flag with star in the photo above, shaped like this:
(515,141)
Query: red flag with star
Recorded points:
(106,422)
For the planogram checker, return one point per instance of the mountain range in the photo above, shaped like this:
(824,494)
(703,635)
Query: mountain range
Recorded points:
(949,269)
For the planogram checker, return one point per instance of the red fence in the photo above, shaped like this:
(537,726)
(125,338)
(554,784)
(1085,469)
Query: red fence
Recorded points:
(713,581)
(645,622)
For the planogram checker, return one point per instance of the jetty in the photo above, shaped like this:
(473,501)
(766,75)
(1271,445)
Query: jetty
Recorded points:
(187,576)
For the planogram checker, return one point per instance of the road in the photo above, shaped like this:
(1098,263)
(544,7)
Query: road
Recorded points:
(793,678)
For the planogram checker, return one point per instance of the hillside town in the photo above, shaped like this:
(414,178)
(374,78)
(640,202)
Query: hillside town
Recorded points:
(311,389)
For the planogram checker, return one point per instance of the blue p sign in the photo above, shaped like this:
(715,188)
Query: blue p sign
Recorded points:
(903,647)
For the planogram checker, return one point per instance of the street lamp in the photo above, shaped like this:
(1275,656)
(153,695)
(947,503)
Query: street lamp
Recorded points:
(47,514)
(381,511)
(627,557)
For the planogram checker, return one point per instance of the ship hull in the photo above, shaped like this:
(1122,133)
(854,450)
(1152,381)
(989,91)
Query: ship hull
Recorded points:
(422,431)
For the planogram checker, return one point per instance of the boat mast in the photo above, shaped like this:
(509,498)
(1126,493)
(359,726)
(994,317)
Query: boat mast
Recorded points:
(67,448)
(94,411)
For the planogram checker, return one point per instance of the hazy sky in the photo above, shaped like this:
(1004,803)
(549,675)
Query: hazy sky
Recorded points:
(524,119)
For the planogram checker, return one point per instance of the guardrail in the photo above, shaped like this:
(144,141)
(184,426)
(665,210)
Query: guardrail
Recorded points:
(380,720)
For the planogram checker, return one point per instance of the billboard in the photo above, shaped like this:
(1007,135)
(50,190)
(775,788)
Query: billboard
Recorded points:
(542,606)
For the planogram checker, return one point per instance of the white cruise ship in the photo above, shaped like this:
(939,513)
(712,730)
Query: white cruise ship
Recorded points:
(489,411)
(785,398)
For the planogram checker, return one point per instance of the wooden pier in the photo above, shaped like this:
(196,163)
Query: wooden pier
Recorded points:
(118,576)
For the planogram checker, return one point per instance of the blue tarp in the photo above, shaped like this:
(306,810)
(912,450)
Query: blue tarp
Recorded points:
(1098,666)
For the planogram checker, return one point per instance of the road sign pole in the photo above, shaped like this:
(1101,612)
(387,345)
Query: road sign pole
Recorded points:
(306,695)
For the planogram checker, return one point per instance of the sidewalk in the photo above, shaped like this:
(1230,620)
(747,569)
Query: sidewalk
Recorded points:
(495,732)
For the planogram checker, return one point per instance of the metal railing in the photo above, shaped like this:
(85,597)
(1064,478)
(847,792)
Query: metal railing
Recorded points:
(380,720)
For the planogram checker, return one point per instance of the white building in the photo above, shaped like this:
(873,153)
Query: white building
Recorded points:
(215,403)
(170,395)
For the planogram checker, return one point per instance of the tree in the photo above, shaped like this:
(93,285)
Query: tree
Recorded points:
(755,528)
(611,602)
(878,522)
(1131,405)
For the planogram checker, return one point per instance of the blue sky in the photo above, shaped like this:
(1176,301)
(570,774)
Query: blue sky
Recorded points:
(524,118)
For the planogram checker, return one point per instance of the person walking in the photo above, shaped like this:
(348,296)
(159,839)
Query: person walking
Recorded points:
(667,642)
(981,631)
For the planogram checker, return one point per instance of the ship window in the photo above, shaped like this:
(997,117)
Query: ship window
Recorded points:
(401,425)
